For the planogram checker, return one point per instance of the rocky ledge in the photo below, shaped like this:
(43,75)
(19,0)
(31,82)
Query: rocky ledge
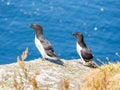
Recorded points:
(41,74)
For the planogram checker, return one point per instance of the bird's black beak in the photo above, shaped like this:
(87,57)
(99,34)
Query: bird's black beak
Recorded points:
(74,34)
(31,25)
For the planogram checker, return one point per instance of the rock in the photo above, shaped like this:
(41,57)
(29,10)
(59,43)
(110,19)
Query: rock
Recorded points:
(42,74)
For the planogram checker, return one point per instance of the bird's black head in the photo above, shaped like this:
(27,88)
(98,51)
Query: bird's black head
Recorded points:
(37,28)
(78,35)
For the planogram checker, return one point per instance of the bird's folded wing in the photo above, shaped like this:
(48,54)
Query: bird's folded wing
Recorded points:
(86,54)
(48,48)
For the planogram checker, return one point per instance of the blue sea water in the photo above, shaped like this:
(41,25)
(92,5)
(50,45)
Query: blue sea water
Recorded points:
(98,20)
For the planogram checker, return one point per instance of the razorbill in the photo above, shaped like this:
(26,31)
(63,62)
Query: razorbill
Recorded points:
(83,51)
(42,44)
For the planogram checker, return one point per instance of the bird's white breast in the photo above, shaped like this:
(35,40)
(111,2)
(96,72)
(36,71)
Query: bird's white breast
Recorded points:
(79,48)
(40,47)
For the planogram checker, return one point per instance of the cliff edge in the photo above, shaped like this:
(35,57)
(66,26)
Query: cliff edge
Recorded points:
(42,75)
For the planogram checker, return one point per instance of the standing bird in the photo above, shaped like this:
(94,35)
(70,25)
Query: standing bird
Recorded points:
(42,44)
(83,51)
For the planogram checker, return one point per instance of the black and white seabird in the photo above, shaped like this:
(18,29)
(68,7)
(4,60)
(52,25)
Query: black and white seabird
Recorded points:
(42,44)
(83,51)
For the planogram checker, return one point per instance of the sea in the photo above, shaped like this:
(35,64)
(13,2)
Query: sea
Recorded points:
(97,20)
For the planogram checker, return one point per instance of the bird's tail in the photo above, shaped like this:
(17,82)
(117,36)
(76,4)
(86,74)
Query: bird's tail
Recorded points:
(91,64)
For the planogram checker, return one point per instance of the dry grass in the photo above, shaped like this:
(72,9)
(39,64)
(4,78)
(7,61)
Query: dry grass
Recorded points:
(106,77)
(65,84)
(24,77)
(34,83)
